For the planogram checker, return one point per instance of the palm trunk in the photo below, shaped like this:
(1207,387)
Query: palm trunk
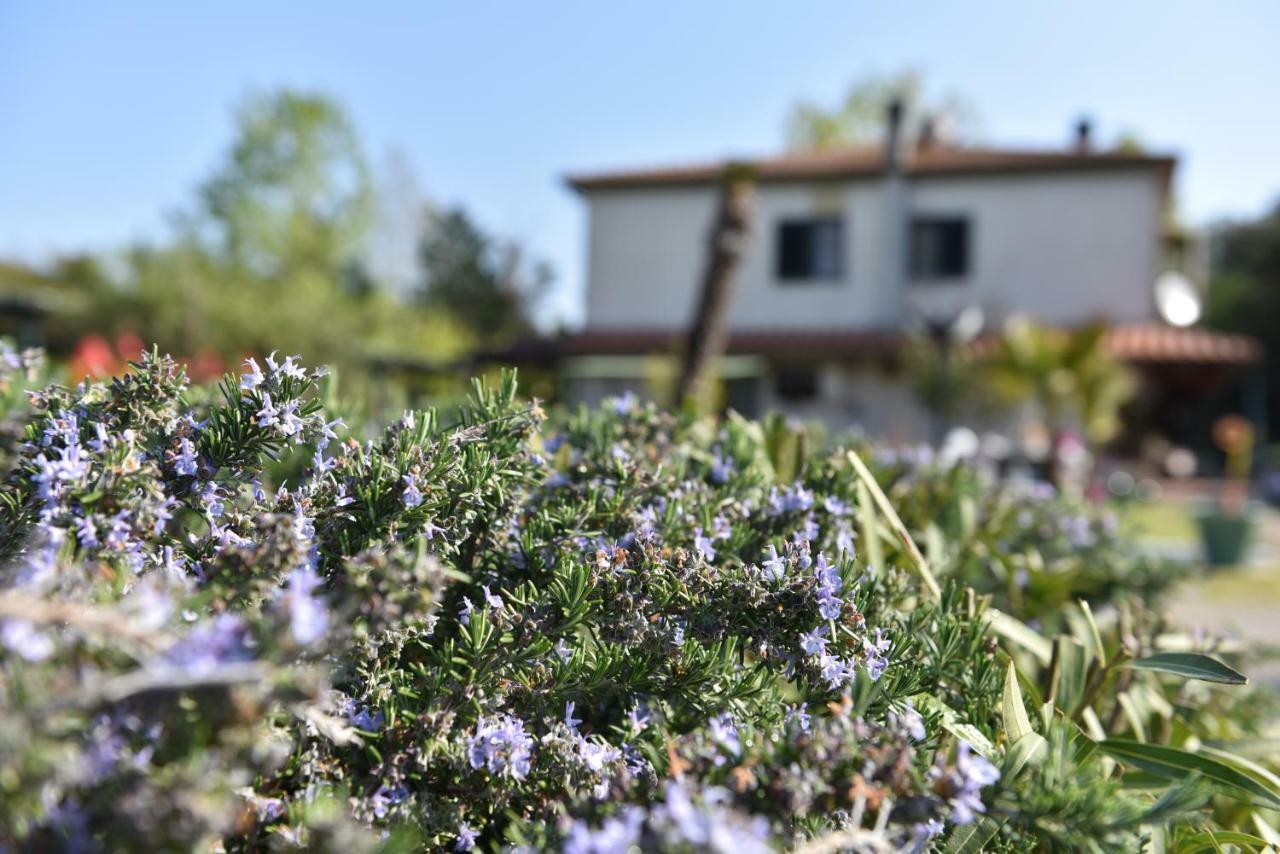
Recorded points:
(727,242)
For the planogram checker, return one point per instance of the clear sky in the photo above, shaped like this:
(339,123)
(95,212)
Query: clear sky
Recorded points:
(110,113)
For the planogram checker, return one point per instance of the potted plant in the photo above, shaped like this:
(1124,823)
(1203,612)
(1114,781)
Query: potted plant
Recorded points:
(1226,527)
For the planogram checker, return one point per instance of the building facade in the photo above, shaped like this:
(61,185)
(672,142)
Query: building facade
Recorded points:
(852,249)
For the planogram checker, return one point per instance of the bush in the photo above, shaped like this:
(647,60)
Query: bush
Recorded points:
(623,628)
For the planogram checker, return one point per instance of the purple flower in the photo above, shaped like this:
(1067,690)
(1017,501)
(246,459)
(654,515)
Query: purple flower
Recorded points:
(22,638)
(501,746)
(721,468)
(361,717)
(910,720)
(212,499)
(290,423)
(624,403)
(834,671)
(775,567)
(253,377)
(639,715)
(267,416)
(387,797)
(466,838)
(411,496)
(877,653)
(829,605)
(185,462)
(118,533)
(223,640)
(618,834)
(563,651)
(725,733)
(970,774)
(491,600)
(703,545)
(569,720)
(828,576)
(814,642)
(290,368)
(87,532)
(308,617)
(269,809)
(596,756)
(797,716)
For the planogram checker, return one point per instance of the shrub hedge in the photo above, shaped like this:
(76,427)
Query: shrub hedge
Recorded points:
(230,622)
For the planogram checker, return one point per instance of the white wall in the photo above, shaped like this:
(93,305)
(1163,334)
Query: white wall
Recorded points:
(1062,247)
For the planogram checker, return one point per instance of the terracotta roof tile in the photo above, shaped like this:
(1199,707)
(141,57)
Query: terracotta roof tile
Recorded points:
(868,161)
(1138,342)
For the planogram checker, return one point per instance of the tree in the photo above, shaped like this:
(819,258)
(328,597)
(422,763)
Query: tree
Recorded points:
(487,284)
(725,246)
(294,192)
(1069,375)
(860,117)
(1244,295)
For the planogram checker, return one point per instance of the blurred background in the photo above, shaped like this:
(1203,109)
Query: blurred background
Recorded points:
(1047,236)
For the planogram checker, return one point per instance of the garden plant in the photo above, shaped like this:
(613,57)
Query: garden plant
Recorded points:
(228,621)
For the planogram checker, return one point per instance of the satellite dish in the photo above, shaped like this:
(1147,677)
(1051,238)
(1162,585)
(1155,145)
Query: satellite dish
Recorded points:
(968,324)
(1177,299)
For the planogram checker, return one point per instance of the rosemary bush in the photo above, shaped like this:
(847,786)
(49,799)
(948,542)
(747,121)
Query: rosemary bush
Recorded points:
(231,622)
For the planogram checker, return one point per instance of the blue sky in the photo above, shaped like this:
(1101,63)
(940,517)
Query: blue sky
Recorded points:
(111,113)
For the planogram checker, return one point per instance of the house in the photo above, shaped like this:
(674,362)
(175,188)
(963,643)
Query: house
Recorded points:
(853,248)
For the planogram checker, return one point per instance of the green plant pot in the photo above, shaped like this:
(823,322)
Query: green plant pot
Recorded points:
(1225,537)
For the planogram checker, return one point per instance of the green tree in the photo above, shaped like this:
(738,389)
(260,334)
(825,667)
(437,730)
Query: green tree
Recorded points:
(294,192)
(1069,375)
(1244,295)
(860,117)
(487,283)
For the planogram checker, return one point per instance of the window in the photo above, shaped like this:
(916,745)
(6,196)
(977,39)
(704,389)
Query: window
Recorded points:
(796,384)
(939,247)
(810,249)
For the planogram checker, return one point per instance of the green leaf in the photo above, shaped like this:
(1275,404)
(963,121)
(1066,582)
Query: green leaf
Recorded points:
(1213,840)
(1187,796)
(1013,629)
(1016,723)
(1191,665)
(1170,763)
(1072,662)
(1022,752)
(895,523)
(971,838)
(951,723)
(1099,649)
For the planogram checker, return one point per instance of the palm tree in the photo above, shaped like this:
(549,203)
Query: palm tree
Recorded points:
(1069,375)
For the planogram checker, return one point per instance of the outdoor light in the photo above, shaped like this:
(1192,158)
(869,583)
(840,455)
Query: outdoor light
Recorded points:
(1177,299)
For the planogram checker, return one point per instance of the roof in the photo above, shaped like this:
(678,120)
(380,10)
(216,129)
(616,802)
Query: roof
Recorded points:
(868,161)
(1156,342)
(1143,343)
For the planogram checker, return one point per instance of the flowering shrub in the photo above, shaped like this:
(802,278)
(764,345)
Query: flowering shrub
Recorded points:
(228,621)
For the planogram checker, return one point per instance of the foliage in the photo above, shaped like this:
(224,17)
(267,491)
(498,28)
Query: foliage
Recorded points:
(1245,293)
(273,252)
(860,117)
(946,381)
(623,628)
(484,282)
(1069,375)
(294,193)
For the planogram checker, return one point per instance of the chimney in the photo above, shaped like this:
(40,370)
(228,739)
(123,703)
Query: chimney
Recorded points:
(1084,136)
(891,303)
(928,137)
(893,138)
